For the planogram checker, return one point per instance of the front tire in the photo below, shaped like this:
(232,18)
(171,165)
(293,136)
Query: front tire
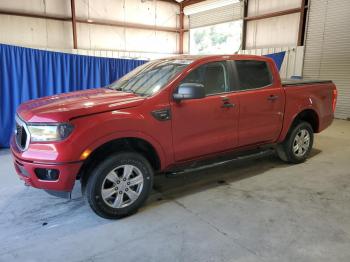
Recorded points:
(120,185)
(297,145)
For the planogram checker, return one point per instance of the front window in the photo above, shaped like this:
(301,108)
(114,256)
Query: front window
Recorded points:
(213,76)
(151,77)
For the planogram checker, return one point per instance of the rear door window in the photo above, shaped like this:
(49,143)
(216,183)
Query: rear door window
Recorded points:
(253,74)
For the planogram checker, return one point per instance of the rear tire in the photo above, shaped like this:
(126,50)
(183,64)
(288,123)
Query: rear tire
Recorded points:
(119,185)
(297,145)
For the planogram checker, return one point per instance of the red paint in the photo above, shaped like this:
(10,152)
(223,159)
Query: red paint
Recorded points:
(198,128)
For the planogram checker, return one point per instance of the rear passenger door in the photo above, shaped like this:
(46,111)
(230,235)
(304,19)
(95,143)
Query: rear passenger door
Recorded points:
(261,102)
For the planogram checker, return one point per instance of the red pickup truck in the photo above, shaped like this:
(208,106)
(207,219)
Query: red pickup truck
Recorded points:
(163,116)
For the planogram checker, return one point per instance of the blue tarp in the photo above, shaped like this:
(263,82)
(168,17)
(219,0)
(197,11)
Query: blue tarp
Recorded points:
(29,73)
(278,58)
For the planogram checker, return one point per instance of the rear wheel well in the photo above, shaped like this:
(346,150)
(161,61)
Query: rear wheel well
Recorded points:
(309,116)
(124,144)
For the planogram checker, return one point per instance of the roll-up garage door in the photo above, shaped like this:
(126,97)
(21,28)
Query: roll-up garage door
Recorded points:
(216,15)
(327,48)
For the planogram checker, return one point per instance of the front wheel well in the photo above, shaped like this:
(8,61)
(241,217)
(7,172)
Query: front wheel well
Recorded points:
(124,144)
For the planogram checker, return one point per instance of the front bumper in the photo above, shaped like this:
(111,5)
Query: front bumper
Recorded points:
(26,172)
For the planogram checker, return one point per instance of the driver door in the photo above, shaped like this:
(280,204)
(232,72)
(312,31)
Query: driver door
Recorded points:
(208,125)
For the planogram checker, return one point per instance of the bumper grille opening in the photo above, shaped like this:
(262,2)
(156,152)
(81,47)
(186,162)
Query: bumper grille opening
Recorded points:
(47,174)
(20,170)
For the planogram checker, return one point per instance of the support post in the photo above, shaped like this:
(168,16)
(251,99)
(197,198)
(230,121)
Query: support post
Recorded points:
(301,24)
(74,25)
(244,30)
(181,33)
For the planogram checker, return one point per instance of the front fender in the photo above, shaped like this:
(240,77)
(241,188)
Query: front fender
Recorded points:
(129,134)
(94,131)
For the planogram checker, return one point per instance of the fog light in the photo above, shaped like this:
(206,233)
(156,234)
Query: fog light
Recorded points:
(47,174)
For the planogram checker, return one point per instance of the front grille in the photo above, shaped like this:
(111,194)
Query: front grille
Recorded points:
(21,134)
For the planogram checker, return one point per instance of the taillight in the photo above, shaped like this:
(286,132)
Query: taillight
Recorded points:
(335,93)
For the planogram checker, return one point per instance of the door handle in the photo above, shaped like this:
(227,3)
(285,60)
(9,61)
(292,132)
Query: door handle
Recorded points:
(226,102)
(227,105)
(272,97)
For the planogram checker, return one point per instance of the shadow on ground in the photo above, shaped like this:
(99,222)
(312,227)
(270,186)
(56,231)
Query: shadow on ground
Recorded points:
(32,206)
(169,188)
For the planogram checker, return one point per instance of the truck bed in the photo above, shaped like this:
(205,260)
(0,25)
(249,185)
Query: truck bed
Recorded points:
(296,82)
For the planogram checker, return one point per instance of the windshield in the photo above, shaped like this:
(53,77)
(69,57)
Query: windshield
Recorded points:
(151,77)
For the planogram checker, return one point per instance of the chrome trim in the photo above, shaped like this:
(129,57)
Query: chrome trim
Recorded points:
(23,124)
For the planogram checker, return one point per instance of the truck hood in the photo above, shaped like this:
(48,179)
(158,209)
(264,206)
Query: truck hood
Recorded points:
(63,107)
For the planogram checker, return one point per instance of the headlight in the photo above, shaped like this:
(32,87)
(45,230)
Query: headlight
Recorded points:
(49,132)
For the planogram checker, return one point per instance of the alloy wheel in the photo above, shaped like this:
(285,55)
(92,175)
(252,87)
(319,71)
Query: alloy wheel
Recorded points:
(122,186)
(301,143)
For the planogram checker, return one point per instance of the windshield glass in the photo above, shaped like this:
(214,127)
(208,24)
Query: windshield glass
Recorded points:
(151,77)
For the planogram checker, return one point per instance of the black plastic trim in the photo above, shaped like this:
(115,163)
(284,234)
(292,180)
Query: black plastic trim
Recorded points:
(162,114)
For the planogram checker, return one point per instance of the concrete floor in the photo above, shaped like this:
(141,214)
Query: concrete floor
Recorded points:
(252,210)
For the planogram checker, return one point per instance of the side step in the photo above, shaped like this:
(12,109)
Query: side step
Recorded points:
(197,166)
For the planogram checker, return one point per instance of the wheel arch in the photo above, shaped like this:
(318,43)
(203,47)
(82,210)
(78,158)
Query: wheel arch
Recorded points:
(135,144)
(308,115)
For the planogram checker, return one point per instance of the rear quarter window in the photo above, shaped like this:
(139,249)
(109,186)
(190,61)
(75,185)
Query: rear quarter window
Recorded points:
(253,74)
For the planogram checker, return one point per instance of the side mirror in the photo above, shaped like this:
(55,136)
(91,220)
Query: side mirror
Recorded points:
(189,91)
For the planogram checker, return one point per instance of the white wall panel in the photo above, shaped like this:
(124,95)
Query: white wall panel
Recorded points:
(102,10)
(186,21)
(43,33)
(150,41)
(23,31)
(166,42)
(186,45)
(83,36)
(59,34)
(278,31)
(53,7)
(35,32)
(140,12)
(105,37)
(56,7)
(131,11)
(259,7)
(33,6)
(82,9)
(167,14)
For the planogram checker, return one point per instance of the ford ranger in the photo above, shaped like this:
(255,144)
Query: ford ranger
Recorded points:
(161,117)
